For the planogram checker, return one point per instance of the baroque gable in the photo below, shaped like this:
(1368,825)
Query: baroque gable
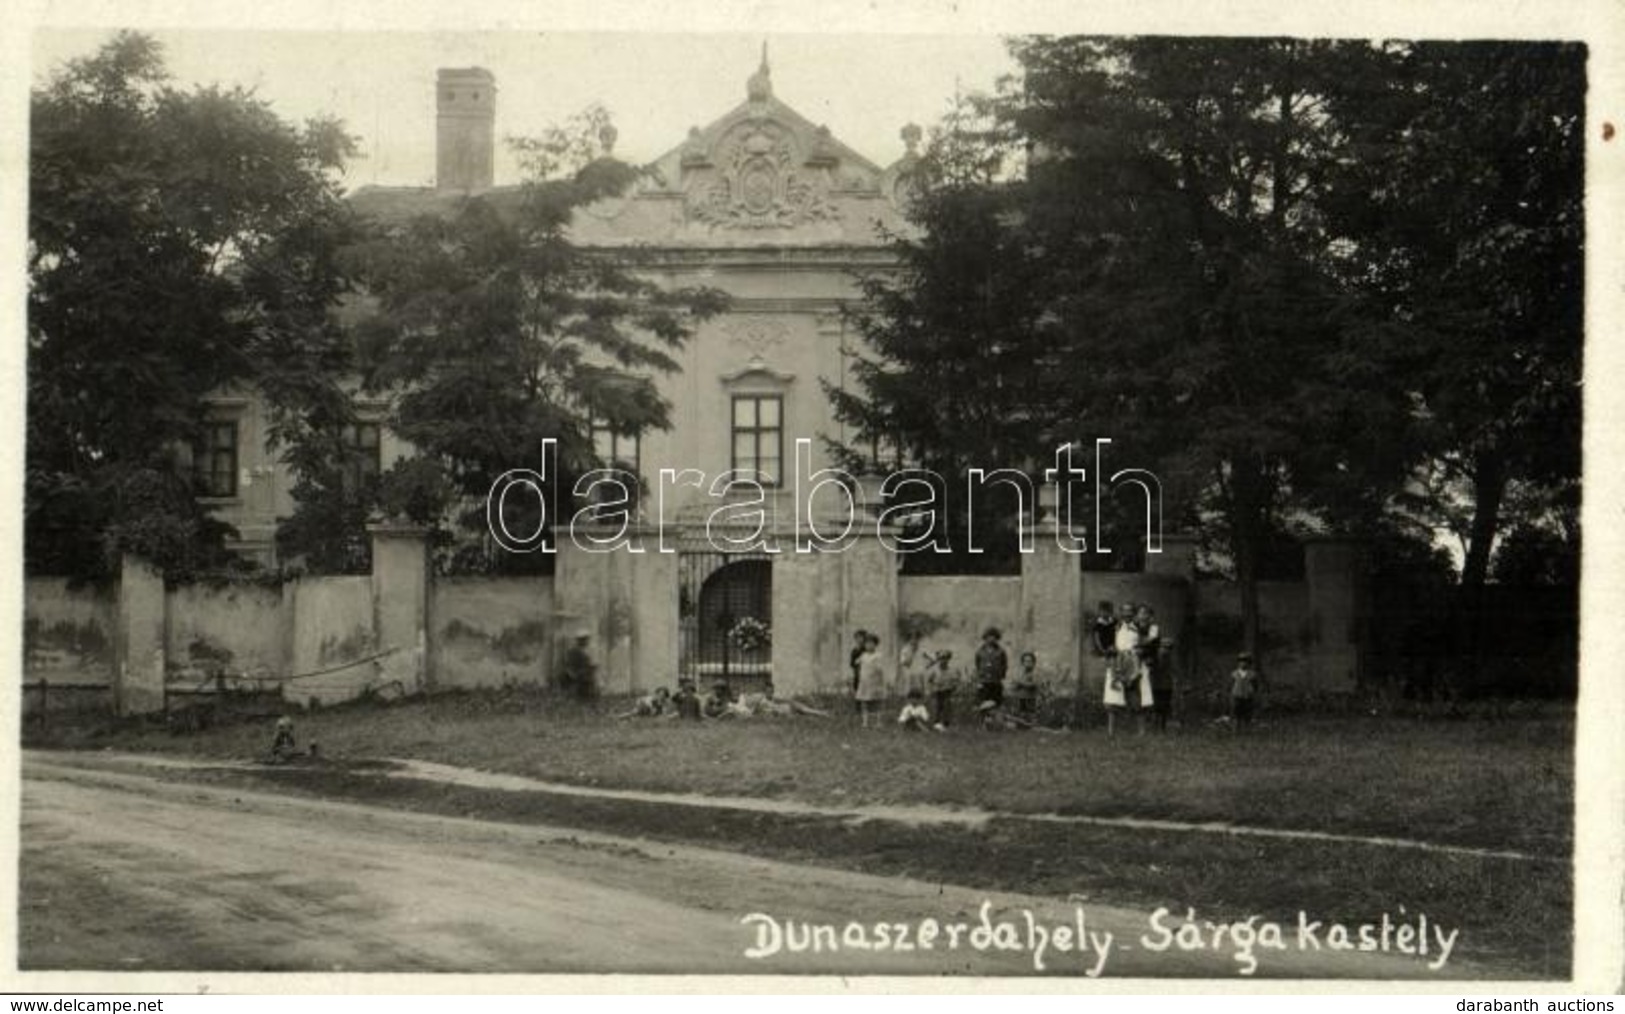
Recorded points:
(761,175)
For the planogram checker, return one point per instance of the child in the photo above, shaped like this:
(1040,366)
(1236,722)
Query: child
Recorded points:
(871,682)
(941,681)
(860,643)
(1126,685)
(910,661)
(686,703)
(719,703)
(914,717)
(1151,664)
(1103,633)
(1243,691)
(650,705)
(282,747)
(996,719)
(578,674)
(765,703)
(1027,686)
(991,665)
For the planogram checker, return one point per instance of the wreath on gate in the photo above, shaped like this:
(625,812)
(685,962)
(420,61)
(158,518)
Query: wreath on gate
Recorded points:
(750,634)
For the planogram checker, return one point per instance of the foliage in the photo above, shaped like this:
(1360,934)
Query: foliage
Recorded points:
(1311,285)
(1533,555)
(1156,278)
(181,243)
(1464,211)
(491,332)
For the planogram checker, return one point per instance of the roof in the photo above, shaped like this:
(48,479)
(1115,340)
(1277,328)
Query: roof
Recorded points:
(761,175)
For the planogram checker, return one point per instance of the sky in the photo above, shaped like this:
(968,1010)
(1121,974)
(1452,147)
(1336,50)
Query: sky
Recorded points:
(656,85)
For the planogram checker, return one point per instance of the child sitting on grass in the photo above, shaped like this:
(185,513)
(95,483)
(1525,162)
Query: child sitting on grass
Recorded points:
(996,719)
(719,703)
(655,705)
(282,745)
(914,717)
(766,703)
(686,703)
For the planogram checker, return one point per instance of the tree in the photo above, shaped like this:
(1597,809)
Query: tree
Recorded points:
(1464,212)
(490,332)
(956,374)
(180,243)
(1166,282)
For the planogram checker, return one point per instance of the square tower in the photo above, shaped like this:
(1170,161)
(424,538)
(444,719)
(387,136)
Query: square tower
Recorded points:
(466,102)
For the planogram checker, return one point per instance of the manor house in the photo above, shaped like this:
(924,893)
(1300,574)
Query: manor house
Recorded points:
(776,211)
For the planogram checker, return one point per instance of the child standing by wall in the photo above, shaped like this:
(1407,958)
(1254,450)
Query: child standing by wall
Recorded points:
(1243,691)
(991,666)
(1026,686)
(871,682)
(860,643)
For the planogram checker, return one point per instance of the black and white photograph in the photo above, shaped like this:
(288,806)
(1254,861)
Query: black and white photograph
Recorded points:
(951,502)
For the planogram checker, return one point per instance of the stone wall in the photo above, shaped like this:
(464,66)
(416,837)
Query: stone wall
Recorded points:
(961,608)
(401,631)
(69,646)
(492,631)
(68,633)
(333,634)
(235,628)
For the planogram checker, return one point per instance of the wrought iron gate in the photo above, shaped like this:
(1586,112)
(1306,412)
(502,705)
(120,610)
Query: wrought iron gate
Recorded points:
(725,616)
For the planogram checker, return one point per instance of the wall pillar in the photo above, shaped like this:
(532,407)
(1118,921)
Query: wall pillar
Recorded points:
(652,582)
(801,611)
(592,596)
(1332,571)
(869,580)
(138,686)
(400,604)
(1052,614)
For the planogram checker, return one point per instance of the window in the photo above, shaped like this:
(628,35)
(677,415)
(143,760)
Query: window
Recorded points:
(363,458)
(214,460)
(615,450)
(758,436)
(618,451)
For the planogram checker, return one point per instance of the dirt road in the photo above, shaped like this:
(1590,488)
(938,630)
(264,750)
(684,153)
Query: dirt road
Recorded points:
(122,870)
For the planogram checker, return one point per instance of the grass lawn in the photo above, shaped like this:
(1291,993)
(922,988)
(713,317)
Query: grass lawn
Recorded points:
(1505,784)
(1502,784)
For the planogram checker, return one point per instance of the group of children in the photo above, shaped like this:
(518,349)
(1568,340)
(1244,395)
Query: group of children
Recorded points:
(925,673)
(1137,674)
(721,702)
(1137,679)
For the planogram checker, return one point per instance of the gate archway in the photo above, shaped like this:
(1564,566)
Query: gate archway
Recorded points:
(725,615)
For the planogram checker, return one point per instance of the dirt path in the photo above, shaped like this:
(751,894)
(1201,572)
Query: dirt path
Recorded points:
(124,871)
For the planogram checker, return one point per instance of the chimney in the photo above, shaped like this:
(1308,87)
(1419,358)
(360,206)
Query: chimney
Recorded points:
(466,100)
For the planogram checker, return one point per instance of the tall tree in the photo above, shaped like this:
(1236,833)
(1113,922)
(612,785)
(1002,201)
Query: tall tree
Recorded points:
(490,332)
(1464,214)
(955,372)
(1167,259)
(1181,206)
(180,243)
